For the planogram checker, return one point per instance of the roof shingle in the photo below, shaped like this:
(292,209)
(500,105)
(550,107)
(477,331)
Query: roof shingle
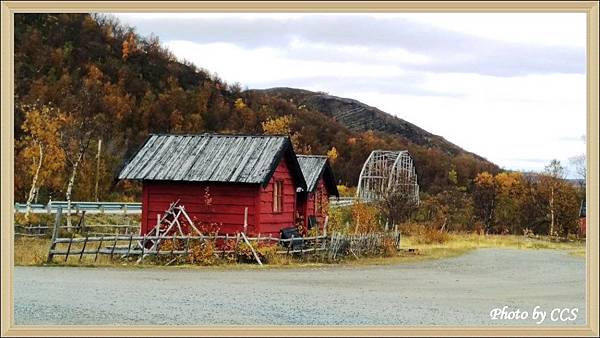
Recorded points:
(315,166)
(211,158)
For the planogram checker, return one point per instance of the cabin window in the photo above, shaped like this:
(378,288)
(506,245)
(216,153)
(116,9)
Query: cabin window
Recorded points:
(278,196)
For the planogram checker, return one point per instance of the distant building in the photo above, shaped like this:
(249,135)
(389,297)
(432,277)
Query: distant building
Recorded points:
(320,183)
(582,219)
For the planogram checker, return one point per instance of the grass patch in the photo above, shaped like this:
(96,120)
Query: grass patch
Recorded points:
(469,241)
(34,251)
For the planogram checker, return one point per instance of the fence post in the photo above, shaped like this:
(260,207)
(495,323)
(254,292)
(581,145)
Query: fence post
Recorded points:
(98,248)
(57,220)
(69,248)
(83,250)
(82,229)
(129,247)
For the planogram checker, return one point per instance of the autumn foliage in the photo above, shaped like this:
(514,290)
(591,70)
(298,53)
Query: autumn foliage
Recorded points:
(100,80)
(82,78)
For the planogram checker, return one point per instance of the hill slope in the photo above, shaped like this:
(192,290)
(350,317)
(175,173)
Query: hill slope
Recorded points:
(116,86)
(359,117)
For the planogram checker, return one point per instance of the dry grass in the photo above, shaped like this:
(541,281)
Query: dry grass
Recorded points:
(33,251)
(470,241)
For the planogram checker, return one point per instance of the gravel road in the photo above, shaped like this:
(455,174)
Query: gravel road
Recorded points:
(454,291)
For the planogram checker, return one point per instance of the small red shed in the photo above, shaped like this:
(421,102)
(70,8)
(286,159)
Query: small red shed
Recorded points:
(217,178)
(320,183)
(582,219)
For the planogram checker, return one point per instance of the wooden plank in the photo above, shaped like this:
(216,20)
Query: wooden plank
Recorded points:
(57,221)
(129,246)
(98,249)
(113,248)
(83,249)
(69,248)
(252,248)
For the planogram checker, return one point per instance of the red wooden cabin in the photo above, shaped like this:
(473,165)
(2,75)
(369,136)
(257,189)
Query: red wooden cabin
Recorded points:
(582,219)
(320,183)
(217,178)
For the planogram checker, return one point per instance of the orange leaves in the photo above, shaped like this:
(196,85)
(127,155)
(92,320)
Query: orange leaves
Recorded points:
(129,46)
(364,217)
(41,129)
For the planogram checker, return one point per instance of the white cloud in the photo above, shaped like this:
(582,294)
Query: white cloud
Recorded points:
(256,67)
(507,86)
(550,29)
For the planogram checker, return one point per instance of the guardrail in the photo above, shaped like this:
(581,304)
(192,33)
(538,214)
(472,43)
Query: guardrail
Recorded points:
(77,206)
(118,207)
(341,202)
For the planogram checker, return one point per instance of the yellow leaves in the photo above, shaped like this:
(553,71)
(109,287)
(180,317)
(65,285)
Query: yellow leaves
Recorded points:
(364,217)
(485,180)
(506,183)
(277,126)
(239,104)
(332,155)
(345,191)
(41,129)
(453,176)
(282,126)
(509,183)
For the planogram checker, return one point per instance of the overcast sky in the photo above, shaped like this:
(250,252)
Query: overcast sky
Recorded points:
(507,86)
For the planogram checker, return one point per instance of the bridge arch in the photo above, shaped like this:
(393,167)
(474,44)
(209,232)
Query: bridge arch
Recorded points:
(387,171)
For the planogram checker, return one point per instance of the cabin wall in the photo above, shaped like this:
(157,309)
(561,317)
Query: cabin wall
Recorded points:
(221,205)
(310,203)
(271,222)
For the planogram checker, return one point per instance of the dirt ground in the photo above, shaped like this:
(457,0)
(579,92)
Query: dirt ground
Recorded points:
(454,291)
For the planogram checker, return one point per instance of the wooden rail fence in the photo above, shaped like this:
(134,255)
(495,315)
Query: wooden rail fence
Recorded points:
(81,243)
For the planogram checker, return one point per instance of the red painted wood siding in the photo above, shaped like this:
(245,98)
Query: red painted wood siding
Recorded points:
(269,221)
(310,204)
(226,208)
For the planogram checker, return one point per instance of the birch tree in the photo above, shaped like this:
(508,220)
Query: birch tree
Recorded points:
(553,174)
(40,146)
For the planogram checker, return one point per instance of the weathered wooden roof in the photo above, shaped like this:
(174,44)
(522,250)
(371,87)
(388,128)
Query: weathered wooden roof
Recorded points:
(315,166)
(212,158)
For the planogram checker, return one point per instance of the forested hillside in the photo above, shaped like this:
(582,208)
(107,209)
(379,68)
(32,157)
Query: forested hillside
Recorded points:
(99,80)
(90,78)
(89,91)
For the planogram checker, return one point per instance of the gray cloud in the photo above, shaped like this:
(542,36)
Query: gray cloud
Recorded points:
(401,85)
(450,51)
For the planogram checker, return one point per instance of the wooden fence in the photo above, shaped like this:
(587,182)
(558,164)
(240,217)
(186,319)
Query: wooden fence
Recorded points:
(81,242)
(79,226)
(334,247)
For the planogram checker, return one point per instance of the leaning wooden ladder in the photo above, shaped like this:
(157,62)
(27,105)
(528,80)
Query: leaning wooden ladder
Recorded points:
(169,221)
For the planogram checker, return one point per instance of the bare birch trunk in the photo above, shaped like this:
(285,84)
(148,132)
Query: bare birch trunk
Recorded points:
(552,211)
(70,186)
(97,169)
(32,191)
